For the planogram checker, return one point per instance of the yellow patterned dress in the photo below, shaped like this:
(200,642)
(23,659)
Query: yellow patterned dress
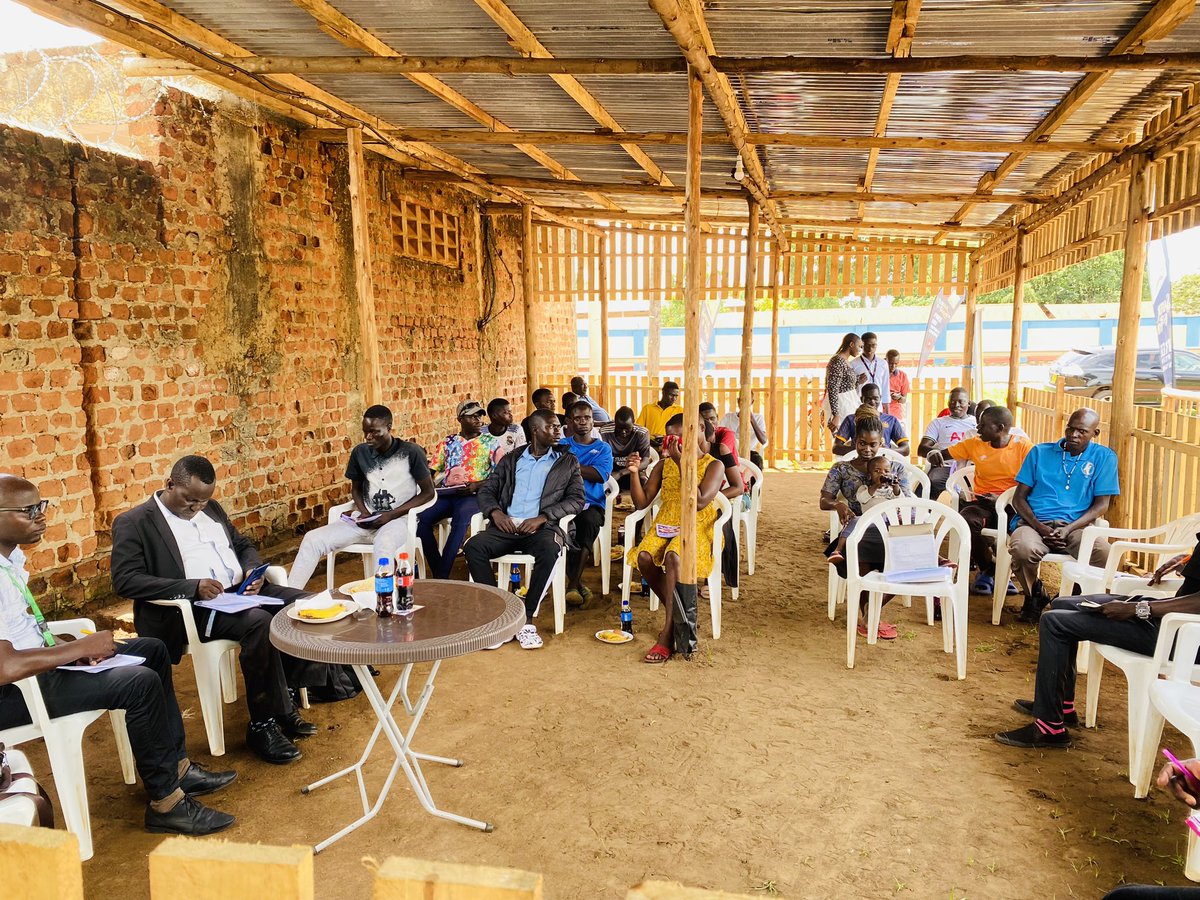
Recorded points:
(658,545)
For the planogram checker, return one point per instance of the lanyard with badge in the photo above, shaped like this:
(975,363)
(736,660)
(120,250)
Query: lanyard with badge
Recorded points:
(40,619)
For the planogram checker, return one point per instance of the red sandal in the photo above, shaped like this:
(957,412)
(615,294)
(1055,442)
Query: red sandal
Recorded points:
(658,654)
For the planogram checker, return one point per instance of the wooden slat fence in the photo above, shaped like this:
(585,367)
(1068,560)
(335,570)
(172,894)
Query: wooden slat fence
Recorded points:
(798,435)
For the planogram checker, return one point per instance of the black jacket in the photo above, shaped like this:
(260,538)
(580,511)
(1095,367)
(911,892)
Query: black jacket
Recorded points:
(147,565)
(562,495)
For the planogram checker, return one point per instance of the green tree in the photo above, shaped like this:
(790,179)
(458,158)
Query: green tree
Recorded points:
(1185,294)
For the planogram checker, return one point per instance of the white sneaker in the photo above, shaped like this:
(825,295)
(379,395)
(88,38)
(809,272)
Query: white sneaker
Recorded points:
(528,638)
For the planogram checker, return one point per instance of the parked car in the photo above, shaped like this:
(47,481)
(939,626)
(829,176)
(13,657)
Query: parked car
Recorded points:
(1089,373)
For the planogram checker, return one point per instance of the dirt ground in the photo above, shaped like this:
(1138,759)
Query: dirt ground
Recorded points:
(762,765)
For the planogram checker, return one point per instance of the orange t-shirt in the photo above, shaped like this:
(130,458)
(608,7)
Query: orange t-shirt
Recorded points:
(995,469)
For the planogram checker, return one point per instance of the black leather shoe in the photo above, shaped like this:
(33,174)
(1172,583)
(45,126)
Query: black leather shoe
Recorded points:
(1070,719)
(295,727)
(189,816)
(269,742)
(199,781)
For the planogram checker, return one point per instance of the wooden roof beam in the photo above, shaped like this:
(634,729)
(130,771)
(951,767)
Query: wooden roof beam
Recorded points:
(1163,18)
(346,31)
(714,138)
(525,42)
(687,26)
(405,64)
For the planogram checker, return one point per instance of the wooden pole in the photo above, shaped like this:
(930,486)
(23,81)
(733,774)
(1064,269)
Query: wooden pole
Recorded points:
(772,410)
(602,283)
(1014,350)
(969,375)
(746,395)
(528,274)
(654,338)
(364,286)
(693,292)
(1137,233)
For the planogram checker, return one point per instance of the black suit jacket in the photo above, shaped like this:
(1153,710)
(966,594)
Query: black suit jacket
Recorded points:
(147,565)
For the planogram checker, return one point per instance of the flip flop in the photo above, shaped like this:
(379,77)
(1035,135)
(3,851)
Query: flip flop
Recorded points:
(657,656)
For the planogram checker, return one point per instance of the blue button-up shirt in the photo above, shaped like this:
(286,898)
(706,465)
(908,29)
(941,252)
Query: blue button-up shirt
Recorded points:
(531,481)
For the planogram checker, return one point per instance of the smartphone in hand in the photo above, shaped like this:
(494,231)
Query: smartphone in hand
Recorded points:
(257,573)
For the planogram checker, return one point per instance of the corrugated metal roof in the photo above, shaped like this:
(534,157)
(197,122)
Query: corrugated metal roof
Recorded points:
(429,27)
(600,28)
(798,27)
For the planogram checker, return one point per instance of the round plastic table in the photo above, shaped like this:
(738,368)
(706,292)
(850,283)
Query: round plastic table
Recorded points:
(450,618)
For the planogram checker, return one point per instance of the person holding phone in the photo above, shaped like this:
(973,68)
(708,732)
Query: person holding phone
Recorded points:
(145,691)
(180,544)
(657,555)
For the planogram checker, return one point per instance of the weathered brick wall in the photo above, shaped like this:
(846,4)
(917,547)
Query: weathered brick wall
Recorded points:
(202,300)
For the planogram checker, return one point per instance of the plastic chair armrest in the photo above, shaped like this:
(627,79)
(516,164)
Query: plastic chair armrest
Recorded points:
(1171,623)
(189,618)
(73,627)
(1187,645)
(276,575)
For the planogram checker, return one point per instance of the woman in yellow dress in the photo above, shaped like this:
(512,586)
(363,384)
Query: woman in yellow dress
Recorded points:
(657,556)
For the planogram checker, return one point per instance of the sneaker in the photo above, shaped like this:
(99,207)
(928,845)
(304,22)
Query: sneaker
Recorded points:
(984,584)
(1070,719)
(586,594)
(528,638)
(1031,737)
(574,598)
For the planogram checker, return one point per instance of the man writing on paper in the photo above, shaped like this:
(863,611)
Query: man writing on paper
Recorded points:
(180,544)
(145,690)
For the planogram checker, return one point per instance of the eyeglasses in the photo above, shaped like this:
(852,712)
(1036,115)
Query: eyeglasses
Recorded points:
(32,512)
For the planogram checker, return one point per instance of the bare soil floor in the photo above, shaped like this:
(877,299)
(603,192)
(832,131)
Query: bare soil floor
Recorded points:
(763,764)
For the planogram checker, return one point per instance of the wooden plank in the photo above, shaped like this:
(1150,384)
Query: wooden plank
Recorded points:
(773,394)
(40,863)
(402,878)
(602,289)
(1014,351)
(746,396)
(364,285)
(528,276)
(183,868)
(691,353)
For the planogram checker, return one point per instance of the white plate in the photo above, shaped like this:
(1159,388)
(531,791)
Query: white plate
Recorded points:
(347,609)
(627,636)
(362,586)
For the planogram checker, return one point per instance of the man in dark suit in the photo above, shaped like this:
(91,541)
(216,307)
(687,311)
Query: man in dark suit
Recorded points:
(180,544)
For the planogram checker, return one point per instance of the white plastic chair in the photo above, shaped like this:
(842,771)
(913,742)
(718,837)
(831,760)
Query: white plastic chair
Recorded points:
(63,737)
(215,667)
(947,526)
(714,577)
(1140,673)
(960,487)
(366,549)
(602,546)
(836,585)
(1175,537)
(558,578)
(1175,700)
(18,810)
(749,518)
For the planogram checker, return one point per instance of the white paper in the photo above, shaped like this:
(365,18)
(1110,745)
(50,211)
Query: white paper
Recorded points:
(918,576)
(118,661)
(236,603)
(913,553)
(364,520)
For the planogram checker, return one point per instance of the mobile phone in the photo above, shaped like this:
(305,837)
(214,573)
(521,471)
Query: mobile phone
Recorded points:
(1185,773)
(257,573)
(1090,604)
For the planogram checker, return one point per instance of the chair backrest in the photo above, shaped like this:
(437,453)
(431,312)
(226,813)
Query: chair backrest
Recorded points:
(1002,504)
(916,475)
(1183,531)
(756,490)
(961,485)
(945,522)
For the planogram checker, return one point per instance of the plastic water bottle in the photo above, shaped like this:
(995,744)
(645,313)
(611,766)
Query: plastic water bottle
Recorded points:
(626,617)
(404,586)
(514,580)
(385,587)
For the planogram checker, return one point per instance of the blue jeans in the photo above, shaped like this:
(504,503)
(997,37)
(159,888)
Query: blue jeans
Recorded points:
(458,509)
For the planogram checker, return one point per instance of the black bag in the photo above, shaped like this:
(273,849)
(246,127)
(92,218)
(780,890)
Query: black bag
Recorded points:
(683,626)
(39,797)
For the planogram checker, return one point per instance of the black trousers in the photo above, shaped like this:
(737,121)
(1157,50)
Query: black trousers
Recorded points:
(586,529)
(268,672)
(729,552)
(145,692)
(543,545)
(1152,892)
(980,514)
(937,481)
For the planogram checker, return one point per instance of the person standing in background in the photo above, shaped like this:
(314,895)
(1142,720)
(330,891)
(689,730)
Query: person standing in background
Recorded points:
(899,388)
(841,383)
(870,368)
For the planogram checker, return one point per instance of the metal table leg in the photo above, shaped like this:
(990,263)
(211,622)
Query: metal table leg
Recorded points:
(407,759)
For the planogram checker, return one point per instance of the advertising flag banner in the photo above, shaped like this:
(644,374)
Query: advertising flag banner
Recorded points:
(1158,262)
(940,314)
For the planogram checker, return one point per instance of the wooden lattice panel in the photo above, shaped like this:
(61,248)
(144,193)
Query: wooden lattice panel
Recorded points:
(426,234)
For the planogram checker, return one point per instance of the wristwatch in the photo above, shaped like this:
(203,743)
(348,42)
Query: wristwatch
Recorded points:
(1142,610)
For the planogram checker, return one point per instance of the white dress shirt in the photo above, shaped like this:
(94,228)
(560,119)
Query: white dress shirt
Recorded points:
(17,625)
(204,546)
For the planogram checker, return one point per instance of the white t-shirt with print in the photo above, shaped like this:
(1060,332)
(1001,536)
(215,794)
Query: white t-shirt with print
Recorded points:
(947,430)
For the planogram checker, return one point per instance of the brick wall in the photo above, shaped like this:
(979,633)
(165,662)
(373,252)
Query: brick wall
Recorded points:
(201,300)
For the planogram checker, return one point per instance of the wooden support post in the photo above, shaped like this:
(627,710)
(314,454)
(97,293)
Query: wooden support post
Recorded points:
(673,890)
(772,410)
(693,292)
(40,863)
(1014,350)
(746,395)
(602,284)
(528,274)
(184,868)
(400,878)
(1137,233)
(372,377)
(969,376)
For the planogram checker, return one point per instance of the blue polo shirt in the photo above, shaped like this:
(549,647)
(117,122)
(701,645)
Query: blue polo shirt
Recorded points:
(893,430)
(531,481)
(1047,471)
(598,455)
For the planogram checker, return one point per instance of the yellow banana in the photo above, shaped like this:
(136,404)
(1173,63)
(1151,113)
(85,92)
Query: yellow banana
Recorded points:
(327,612)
